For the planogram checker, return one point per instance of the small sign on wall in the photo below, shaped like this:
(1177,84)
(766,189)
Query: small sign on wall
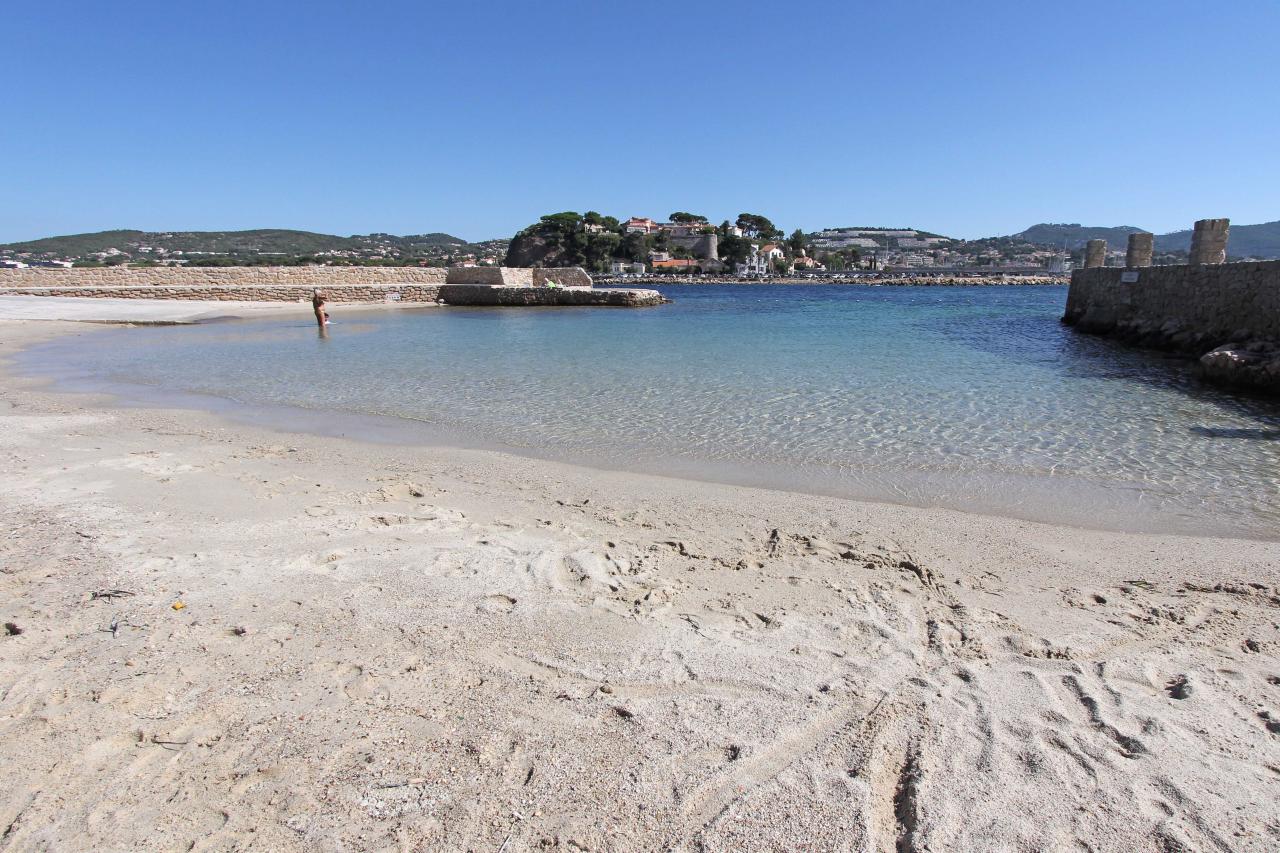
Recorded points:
(1129,277)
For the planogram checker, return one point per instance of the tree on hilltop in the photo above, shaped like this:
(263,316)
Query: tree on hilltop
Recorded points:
(684,217)
(562,221)
(797,243)
(608,223)
(755,225)
(559,239)
(734,250)
(634,248)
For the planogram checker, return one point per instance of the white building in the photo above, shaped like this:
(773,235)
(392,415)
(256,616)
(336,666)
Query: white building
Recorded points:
(757,264)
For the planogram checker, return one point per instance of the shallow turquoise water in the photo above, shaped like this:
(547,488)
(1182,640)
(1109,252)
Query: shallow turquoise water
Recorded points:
(972,398)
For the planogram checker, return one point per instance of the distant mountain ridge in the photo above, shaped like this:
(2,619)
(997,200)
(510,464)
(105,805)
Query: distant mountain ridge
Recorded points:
(1246,241)
(265,241)
(1074,235)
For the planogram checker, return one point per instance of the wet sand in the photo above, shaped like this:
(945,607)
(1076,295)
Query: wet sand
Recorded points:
(234,638)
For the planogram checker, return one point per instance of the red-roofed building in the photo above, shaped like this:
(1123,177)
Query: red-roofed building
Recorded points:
(640,225)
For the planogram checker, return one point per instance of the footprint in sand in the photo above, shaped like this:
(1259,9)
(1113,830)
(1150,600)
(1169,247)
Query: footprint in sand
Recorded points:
(358,684)
(497,603)
(1178,687)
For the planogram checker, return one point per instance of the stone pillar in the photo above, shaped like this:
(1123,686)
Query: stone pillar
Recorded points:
(1095,254)
(1141,247)
(1209,241)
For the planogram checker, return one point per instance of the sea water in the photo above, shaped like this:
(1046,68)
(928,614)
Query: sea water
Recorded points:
(972,398)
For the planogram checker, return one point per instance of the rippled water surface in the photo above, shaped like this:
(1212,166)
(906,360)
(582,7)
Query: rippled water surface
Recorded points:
(973,398)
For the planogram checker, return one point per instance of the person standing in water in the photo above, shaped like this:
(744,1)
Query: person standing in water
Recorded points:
(318,306)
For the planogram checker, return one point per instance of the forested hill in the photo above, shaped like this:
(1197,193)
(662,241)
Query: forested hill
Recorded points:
(269,242)
(1074,236)
(1246,241)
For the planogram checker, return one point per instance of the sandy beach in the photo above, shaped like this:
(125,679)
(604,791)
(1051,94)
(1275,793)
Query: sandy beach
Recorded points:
(221,637)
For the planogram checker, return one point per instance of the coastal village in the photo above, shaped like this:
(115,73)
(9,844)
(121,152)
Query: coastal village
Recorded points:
(831,250)
(749,247)
(746,248)
(752,247)
(684,245)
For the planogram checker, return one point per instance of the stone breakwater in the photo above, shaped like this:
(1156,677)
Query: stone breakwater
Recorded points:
(280,284)
(1227,315)
(900,280)
(472,294)
(307,276)
(520,276)
(244,292)
(465,285)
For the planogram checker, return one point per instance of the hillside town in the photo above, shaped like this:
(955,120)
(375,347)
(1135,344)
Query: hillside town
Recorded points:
(748,247)
(751,246)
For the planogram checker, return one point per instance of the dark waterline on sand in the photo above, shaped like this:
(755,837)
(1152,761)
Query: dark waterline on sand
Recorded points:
(972,398)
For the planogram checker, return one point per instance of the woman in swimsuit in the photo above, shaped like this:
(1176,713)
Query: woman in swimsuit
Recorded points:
(317,305)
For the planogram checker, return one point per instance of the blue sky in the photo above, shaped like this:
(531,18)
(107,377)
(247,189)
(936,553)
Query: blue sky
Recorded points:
(967,118)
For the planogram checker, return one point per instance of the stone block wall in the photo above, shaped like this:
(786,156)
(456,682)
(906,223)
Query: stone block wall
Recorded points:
(1209,241)
(1140,250)
(246,292)
(492,276)
(1222,312)
(703,246)
(274,284)
(486,295)
(309,276)
(1210,301)
(520,276)
(1095,254)
(563,276)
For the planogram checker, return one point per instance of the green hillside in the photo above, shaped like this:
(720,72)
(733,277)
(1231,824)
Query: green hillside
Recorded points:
(1252,241)
(247,245)
(1075,235)
(74,245)
(1245,241)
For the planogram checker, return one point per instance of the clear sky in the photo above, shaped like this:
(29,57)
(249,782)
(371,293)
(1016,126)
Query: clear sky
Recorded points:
(966,118)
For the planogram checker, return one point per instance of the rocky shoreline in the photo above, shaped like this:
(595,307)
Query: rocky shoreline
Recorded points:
(1222,315)
(900,280)
(1236,360)
(480,294)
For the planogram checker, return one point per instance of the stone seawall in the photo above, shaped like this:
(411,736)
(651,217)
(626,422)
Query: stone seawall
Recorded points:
(898,280)
(468,285)
(520,276)
(493,276)
(1227,314)
(473,294)
(244,292)
(563,276)
(308,276)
